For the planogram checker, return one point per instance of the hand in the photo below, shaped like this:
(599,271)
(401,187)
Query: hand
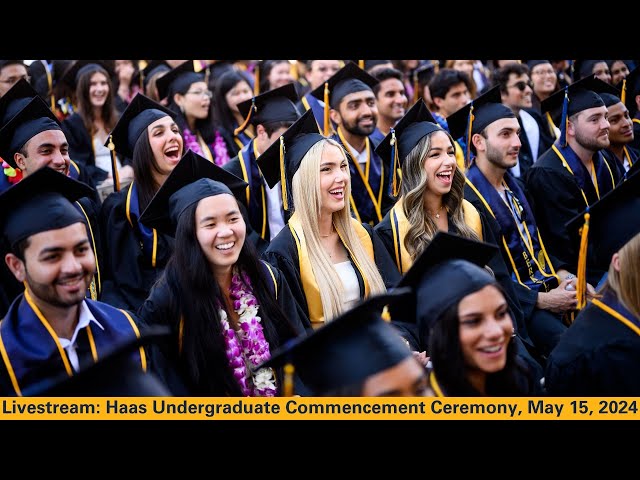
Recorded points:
(559,299)
(591,292)
(421,357)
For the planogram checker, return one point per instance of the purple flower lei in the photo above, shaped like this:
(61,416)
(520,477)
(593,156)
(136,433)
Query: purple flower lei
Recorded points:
(248,345)
(219,148)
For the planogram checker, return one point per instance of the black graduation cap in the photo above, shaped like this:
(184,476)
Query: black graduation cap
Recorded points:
(425,72)
(610,99)
(80,67)
(277,105)
(178,79)
(41,201)
(608,224)
(349,79)
(534,63)
(192,179)
(583,68)
(575,98)
(139,114)
(412,127)
(119,373)
(347,350)
(152,68)
(450,268)
(36,117)
(281,160)
(15,100)
(369,64)
(217,68)
(630,87)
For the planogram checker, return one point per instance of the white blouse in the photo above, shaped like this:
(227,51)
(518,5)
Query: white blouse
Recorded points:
(350,284)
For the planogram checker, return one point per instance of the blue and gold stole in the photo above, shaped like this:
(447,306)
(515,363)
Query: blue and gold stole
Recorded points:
(529,261)
(309,102)
(592,188)
(31,350)
(256,192)
(243,138)
(617,310)
(368,185)
(435,386)
(148,236)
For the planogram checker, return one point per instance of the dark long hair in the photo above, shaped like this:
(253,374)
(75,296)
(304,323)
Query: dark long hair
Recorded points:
(195,295)
(449,365)
(144,164)
(85,109)
(204,126)
(223,117)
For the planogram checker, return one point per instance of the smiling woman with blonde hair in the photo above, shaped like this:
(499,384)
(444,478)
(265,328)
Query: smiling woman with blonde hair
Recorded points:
(331,260)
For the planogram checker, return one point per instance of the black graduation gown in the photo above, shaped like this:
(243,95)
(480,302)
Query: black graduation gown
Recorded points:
(556,199)
(11,288)
(598,355)
(128,271)
(157,311)
(81,148)
(526,157)
(636,132)
(283,254)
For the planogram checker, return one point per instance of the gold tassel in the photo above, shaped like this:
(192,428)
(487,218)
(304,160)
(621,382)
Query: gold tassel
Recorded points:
(581,286)
(283,183)
(395,184)
(294,69)
(467,160)
(287,387)
(246,120)
(416,87)
(623,96)
(256,80)
(386,316)
(361,64)
(326,109)
(114,165)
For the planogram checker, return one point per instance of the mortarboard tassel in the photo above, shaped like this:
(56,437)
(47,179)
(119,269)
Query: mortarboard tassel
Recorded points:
(581,286)
(361,64)
(385,315)
(326,109)
(294,69)
(470,120)
(283,183)
(287,387)
(623,95)
(564,122)
(416,87)
(246,120)
(50,85)
(395,184)
(114,165)
(256,79)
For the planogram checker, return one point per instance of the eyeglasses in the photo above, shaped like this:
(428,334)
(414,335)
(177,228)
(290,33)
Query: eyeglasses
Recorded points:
(14,80)
(202,93)
(521,85)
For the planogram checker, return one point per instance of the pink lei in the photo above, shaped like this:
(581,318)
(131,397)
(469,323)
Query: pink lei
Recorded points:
(247,347)
(218,147)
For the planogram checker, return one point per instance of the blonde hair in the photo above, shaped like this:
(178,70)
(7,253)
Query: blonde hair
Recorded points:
(414,185)
(307,197)
(626,282)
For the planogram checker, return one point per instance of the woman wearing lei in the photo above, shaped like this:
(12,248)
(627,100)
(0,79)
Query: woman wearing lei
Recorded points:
(228,309)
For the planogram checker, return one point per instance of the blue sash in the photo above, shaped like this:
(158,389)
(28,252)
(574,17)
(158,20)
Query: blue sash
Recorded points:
(148,236)
(256,197)
(366,190)
(32,352)
(529,262)
(604,176)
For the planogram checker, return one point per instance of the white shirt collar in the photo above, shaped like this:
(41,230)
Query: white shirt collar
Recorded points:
(85,318)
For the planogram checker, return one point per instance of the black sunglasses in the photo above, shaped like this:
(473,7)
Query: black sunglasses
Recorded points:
(521,85)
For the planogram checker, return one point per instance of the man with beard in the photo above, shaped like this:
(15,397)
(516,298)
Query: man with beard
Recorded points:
(573,174)
(30,140)
(349,96)
(52,328)
(543,285)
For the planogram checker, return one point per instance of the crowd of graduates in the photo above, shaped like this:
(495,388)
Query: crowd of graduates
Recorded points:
(319,227)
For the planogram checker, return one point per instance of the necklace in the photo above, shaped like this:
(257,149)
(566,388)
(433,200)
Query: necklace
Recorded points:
(333,229)
(437,214)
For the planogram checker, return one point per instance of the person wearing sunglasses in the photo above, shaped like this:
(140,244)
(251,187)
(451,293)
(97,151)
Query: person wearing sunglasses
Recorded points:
(516,92)
(542,283)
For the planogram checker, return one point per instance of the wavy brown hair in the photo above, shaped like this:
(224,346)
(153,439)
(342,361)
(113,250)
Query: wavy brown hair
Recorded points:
(415,184)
